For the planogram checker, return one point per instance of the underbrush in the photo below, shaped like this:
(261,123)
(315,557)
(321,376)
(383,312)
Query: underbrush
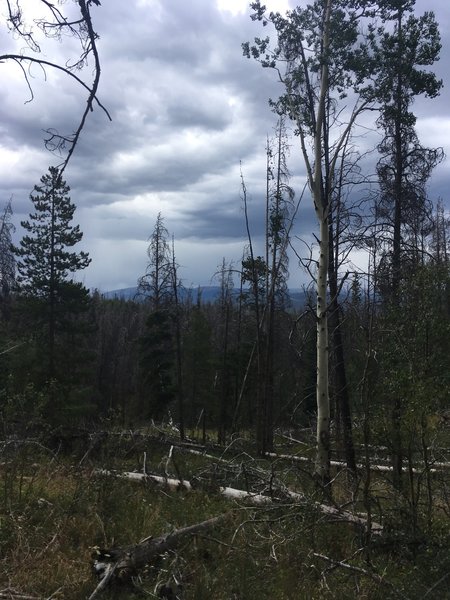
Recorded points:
(56,512)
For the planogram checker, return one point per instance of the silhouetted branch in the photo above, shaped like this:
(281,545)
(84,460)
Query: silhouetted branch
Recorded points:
(81,29)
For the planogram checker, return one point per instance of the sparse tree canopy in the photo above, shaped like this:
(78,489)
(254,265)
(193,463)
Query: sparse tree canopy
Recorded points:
(156,284)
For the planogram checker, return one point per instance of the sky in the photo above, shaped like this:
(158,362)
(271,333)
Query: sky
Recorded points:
(188,112)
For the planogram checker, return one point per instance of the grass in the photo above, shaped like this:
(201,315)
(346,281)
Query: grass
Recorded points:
(53,514)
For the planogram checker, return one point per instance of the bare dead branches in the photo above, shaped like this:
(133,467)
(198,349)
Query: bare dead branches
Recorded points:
(374,576)
(123,562)
(57,27)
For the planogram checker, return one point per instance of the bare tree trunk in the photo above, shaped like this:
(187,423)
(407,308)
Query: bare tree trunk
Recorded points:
(52,301)
(260,400)
(322,468)
(397,409)
(224,394)
(180,387)
(341,385)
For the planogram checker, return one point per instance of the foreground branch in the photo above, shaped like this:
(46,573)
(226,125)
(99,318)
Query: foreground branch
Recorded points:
(374,576)
(83,30)
(124,562)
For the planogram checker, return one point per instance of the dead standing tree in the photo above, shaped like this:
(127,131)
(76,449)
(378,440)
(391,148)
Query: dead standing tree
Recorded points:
(54,24)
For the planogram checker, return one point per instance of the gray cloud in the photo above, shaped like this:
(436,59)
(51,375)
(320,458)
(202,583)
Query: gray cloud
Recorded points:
(186,108)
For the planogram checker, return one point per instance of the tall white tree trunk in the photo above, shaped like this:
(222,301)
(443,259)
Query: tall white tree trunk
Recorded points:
(321,205)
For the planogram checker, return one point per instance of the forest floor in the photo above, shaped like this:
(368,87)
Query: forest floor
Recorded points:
(61,511)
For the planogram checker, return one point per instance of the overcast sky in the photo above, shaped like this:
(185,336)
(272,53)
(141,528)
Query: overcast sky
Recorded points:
(186,108)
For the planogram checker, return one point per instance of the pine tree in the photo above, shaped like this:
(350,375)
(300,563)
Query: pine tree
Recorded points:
(403,58)
(44,261)
(157,342)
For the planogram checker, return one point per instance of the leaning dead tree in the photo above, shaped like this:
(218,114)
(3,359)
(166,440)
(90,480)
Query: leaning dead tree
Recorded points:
(121,563)
(55,24)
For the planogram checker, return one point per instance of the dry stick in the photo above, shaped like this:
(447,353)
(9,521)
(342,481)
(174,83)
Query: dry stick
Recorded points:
(434,586)
(12,595)
(175,464)
(108,573)
(291,439)
(206,455)
(10,349)
(374,576)
(131,558)
(94,440)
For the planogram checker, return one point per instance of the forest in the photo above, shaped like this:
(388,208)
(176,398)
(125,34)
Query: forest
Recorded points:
(172,446)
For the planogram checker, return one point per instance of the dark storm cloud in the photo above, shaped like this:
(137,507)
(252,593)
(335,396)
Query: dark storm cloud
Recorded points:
(186,108)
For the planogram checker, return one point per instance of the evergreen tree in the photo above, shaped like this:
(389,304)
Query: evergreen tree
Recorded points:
(440,235)
(405,166)
(44,262)
(158,341)
(157,362)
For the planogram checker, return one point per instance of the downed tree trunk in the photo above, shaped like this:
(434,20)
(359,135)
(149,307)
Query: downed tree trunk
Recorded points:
(373,467)
(175,484)
(122,563)
(11,594)
(178,485)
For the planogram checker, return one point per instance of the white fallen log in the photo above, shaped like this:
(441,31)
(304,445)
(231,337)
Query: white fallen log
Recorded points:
(376,468)
(234,494)
(123,562)
(11,594)
(177,485)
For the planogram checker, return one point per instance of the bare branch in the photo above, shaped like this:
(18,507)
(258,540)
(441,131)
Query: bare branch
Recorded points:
(81,29)
(374,576)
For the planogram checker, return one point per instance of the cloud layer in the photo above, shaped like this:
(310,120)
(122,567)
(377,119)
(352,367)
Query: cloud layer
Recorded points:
(186,109)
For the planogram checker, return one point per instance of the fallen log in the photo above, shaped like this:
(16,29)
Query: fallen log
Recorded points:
(177,485)
(373,467)
(10,594)
(234,494)
(121,563)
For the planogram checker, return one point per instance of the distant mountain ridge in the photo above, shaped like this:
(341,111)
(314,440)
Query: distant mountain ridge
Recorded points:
(208,294)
